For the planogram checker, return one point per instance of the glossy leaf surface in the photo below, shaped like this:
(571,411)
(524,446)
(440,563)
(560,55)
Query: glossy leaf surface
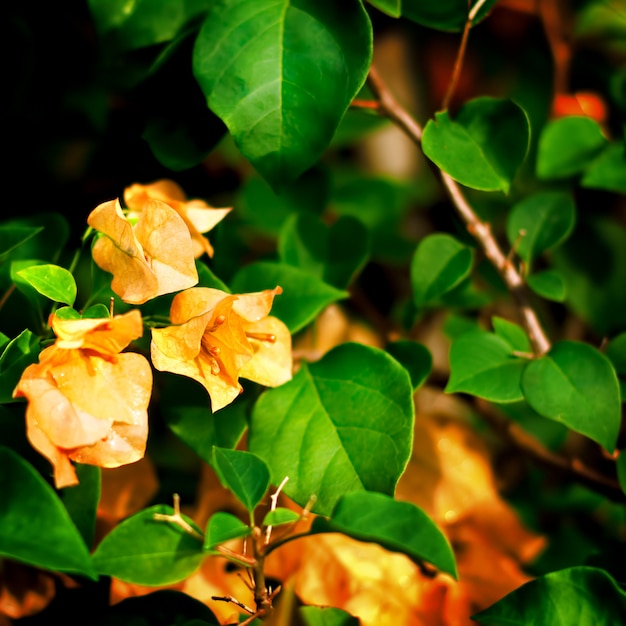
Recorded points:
(223,527)
(51,281)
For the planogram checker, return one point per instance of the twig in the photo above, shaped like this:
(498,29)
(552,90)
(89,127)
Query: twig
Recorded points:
(458,65)
(241,605)
(481,231)
(177,519)
(274,499)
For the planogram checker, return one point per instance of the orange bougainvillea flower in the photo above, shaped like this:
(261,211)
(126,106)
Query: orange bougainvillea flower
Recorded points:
(197,214)
(218,337)
(87,402)
(147,257)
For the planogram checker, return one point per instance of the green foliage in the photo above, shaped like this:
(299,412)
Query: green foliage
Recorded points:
(223,527)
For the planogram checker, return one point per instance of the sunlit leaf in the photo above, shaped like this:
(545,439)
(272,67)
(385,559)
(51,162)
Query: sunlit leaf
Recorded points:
(606,171)
(279,516)
(51,281)
(576,385)
(324,429)
(482,146)
(283,93)
(223,527)
(549,284)
(326,616)
(586,596)
(244,473)
(398,526)
(148,551)
(35,527)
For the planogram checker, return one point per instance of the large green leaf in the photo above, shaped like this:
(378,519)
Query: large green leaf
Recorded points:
(51,281)
(303,297)
(342,424)
(585,596)
(398,526)
(567,146)
(483,364)
(576,385)
(439,264)
(483,146)
(333,253)
(606,171)
(243,473)
(281,74)
(81,501)
(35,527)
(147,551)
(540,222)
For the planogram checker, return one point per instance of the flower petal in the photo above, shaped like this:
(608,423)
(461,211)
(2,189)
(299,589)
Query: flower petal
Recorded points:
(193,302)
(255,306)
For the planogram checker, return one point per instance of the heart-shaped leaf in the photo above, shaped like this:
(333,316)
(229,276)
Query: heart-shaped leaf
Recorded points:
(223,527)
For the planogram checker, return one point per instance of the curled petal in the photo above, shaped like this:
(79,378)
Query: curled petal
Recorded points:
(256,306)
(181,342)
(194,302)
(135,196)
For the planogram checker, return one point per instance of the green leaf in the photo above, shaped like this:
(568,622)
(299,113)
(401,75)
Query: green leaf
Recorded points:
(244,473)
(13,236)
(303,297)
(333,253)
(546,219)
(223,527)
(439,264)
(51,281)
(483,147)
(342,424)
(53,232)
(413,356)
(81,501)
(576,385)
(282,75)
(585,596)
(280,516)
(398,526)
(147,551)
(16,357)
(96,311)
(606,171)
(549,284)
(482,364)
(69,313)
(35,528)
(567,146)
(512,333)
(206,278)
(616,352)
(326,616)
(187,412)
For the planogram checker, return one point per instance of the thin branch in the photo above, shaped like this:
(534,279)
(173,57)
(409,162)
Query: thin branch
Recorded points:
(480,230)
(177,519)
(458,66)
(274,499)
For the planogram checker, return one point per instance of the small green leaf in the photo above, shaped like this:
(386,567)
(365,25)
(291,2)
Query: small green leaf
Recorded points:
(398,526)
(606,171)
(303,297)
(282,75)
(439,264)
(35,527)
(540,222)
(483,147)
(548,284)
(415,357)
(244,473)
(482,364)
(68,313)
(333,253)
(512,333)
(223,527)
(567,146)
(342,424)
(147,551)
(576,385)
(280,516)
(51,281)
(96,312)
(16,357)
(585,596)
(326,616)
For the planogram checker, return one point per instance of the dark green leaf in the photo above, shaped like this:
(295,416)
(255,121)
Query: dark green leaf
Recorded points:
(81,501)
(512,333)
(333,253)
(482,364)
(13,236)
(546,219)
(16,357)
(303,296)
(280,516)
(576,385)
(398,526)
(621,469)
(342,424)
(606,171)
(244,473)
(147,551)
(567,146)
(616,351)
(326,616)
(35,528)
(439,264)
(223,527)
(585,596)
(206,278)
(51,281)
(413,356)
(549,284)
(281,76)
(483,147)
